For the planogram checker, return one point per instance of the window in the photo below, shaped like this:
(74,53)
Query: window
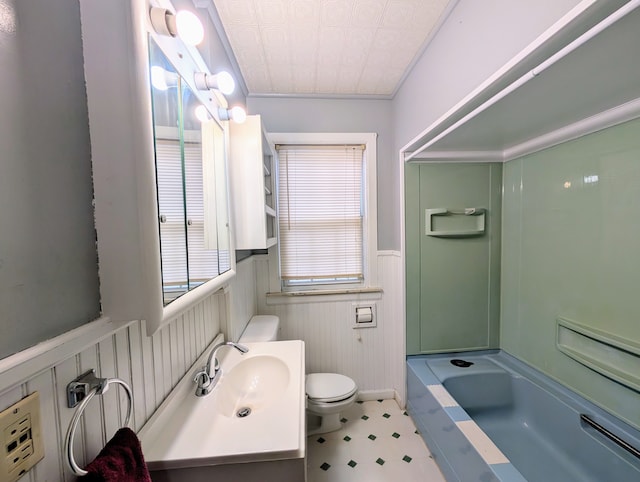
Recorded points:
(326,201)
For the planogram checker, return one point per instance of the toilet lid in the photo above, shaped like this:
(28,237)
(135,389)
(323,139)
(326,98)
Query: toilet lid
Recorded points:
(329,387)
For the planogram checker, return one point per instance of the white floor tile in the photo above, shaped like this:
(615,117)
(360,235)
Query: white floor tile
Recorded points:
(377,442)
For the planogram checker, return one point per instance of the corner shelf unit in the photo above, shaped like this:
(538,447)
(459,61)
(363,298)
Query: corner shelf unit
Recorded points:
(252,176)
(580,76)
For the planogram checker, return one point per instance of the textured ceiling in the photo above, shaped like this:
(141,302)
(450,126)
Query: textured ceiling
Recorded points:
(327,47)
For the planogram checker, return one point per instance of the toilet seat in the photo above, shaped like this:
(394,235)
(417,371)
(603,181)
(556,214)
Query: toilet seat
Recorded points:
(329,387)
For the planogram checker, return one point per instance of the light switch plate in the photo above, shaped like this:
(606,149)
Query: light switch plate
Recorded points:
(21,439)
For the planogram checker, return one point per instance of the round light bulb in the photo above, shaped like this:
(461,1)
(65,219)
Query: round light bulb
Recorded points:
(226,84)
(201,113)
(158,78)
(238,114)
(189,27)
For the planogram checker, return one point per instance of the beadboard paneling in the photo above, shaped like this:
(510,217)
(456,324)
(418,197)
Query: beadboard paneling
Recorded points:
(154,364)
(373,357)
(242,290)
(151,365)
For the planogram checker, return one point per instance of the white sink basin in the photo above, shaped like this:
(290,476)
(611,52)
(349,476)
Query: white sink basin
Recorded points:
(188,431)
(251,385)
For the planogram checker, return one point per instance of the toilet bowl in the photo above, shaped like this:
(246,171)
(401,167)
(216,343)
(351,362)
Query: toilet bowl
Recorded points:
(328,394)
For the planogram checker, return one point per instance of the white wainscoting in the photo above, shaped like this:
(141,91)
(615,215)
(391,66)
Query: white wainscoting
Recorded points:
(373,357)
(243,298)
(151,365)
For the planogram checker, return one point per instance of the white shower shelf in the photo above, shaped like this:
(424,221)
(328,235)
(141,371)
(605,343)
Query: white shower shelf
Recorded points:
(478,214)
(582,75)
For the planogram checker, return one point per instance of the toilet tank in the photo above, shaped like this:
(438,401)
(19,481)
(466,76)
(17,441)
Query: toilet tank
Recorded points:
(261,328)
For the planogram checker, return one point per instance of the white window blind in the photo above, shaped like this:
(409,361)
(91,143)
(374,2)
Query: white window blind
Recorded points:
(321,213)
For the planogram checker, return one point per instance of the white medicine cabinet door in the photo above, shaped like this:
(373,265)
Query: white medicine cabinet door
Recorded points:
(252,175)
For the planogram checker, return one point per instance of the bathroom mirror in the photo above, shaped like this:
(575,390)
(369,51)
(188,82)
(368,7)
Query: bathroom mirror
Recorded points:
(191,186)
(159,170)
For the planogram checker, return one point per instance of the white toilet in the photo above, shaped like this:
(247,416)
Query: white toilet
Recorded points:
(328,394)
(261,328)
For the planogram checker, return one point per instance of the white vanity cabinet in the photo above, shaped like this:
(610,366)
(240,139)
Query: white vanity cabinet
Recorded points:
(252,177)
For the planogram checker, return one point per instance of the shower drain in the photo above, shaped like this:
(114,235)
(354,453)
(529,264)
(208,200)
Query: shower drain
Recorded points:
(461,363)
(243,412)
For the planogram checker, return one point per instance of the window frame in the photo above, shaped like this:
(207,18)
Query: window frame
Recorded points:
(370,209)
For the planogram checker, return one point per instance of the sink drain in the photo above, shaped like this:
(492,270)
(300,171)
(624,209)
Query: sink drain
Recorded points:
(243,412)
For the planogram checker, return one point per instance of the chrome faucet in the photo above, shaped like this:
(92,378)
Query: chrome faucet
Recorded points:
(207,377)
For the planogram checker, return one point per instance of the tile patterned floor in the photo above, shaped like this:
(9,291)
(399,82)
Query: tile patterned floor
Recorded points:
(378,442)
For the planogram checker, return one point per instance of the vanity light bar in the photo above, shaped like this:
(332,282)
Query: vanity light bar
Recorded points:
(236,114)
(184,24)
(222,81)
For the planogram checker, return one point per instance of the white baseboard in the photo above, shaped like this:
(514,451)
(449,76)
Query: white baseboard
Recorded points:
(368,395)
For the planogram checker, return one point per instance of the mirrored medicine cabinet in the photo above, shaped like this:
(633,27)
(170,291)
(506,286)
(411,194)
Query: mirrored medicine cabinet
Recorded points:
(159,158)
(189,160)
(190,170)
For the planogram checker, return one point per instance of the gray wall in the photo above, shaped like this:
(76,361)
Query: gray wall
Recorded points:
(474,41)
(48,260)
(344,115)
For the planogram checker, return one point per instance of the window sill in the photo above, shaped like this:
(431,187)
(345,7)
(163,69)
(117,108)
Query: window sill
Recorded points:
(323,296)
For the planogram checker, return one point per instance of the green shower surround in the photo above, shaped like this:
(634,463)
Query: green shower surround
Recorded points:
(570,249)
(453,284)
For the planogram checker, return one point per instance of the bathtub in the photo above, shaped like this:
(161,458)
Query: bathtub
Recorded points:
(500,420)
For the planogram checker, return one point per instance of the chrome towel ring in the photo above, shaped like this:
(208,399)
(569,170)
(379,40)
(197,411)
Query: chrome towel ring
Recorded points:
(79,393)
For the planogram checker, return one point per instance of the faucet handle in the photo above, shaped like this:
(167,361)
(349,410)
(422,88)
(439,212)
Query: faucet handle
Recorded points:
(201,377)
(241,348)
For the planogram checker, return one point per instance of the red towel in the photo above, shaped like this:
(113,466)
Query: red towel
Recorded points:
(120,460)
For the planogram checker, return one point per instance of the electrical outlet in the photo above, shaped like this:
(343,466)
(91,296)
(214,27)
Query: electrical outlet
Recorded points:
(21,446)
